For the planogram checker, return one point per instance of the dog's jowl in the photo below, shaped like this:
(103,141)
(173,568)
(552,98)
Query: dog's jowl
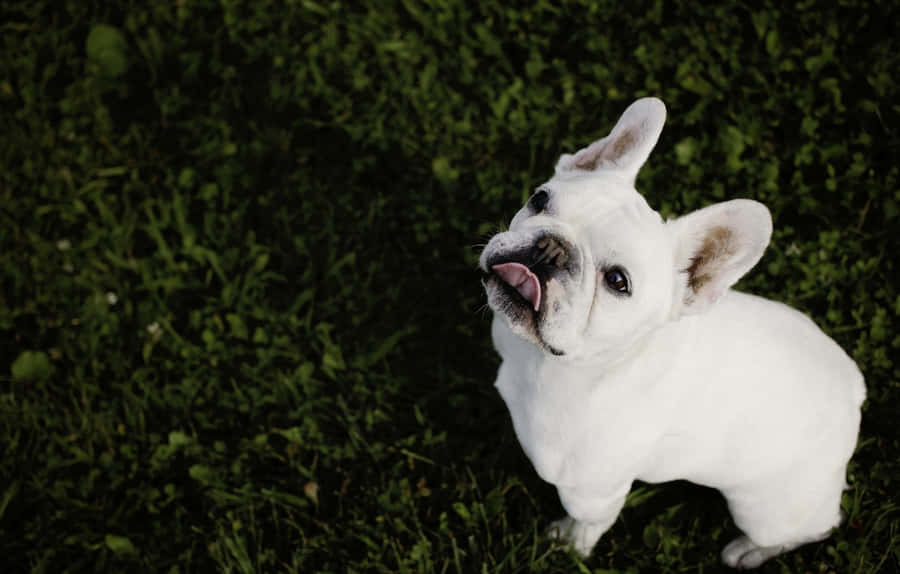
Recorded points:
(627,356)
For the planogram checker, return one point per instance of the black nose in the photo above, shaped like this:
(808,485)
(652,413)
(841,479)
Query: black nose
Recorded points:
(552,252)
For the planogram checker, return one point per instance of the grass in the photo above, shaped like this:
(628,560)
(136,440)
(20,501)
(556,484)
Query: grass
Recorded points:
(239,322)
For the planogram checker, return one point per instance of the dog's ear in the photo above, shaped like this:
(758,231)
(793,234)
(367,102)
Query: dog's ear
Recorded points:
(714,247)
(627,146)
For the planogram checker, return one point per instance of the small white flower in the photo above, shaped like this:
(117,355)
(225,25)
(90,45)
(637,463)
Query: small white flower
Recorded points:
(63,244)
(111,298)
(792,249)
(154,329)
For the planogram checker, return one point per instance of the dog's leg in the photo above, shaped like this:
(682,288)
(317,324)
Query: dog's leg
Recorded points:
(591,513)
(781,513)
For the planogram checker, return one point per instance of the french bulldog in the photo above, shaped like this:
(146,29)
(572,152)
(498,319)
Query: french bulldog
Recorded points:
(627,356)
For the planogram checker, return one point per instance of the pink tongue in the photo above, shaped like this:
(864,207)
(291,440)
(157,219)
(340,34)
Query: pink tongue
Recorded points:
(524,281)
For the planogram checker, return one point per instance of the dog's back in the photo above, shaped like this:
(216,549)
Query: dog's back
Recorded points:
(778,393)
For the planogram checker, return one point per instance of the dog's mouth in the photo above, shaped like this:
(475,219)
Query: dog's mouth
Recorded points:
(523,274)
(520,278)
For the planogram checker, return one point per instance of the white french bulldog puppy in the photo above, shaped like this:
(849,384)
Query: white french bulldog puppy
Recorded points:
(627,356)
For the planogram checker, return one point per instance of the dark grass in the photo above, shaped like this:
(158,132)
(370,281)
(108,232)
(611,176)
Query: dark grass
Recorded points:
(241,328)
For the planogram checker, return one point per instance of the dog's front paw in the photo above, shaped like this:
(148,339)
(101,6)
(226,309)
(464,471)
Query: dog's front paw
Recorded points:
(581,536)
(559,529)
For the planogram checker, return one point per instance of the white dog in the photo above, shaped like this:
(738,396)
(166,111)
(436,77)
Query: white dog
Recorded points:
(626,355)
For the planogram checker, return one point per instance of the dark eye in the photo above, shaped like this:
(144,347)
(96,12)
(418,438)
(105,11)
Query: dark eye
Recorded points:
(617,280)
(539,200)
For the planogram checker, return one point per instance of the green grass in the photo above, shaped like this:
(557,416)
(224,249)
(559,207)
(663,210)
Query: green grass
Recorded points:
(239,316)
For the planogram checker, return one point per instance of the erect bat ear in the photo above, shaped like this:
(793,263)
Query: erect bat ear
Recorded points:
(627,146)
(714,247)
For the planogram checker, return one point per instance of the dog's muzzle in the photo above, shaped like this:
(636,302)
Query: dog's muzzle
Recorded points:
(526,271)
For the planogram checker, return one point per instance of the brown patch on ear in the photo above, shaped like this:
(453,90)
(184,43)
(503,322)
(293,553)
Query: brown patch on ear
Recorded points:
(611,152)
(588,163)
(717,247)
(622,144)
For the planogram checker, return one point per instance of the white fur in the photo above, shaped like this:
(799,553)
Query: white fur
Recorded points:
(679,380)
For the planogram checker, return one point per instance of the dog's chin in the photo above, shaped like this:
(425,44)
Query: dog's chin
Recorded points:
(523,319)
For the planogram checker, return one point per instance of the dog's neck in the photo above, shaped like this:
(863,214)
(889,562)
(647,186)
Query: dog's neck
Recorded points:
(647,357)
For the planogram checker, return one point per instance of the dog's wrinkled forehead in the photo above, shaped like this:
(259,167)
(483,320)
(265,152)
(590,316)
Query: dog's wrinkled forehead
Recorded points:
(588,199)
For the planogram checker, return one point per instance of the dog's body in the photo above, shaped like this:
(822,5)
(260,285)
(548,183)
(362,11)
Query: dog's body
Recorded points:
(626,356)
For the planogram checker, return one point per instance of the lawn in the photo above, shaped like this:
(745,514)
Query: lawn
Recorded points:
(241,324)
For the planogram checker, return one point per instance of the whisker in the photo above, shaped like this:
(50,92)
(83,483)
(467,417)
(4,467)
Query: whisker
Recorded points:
(482,309)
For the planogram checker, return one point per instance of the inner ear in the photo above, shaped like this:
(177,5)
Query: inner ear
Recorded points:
(716,250)
(611,153)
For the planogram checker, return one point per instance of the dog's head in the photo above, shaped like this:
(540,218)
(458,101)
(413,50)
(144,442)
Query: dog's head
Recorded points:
(588,267)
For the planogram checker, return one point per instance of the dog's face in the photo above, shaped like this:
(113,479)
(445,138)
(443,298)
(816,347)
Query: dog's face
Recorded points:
(588,268)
